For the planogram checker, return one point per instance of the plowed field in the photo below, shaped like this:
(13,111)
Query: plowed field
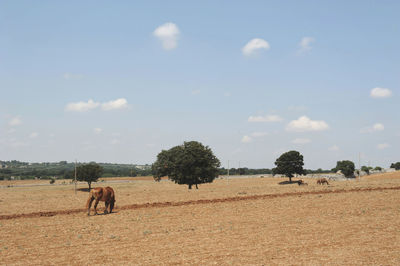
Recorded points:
(231,221)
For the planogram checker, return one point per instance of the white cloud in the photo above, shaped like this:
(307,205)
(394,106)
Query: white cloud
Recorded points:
(255,45)
(33,135)
(374,128)
(97,130)
(259,134)
(117,104)
(305,45)
(304,124)
(380,93)
(334,148)
(11,131)
(82,106)
(378,127)
(89,105)
(383,146)
(168,33)
(70,76)
(15,121)
(195,92)
(246,139)
(266,118)
(301,141)
(227,94)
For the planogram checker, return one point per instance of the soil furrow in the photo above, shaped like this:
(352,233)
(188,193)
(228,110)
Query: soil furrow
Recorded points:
(195,202)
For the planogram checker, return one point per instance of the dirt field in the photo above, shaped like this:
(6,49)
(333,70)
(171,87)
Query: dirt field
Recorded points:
(231,221)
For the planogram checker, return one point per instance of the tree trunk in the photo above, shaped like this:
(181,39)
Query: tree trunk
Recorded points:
(90,185)
(190,186)
(197,187)
(290,179)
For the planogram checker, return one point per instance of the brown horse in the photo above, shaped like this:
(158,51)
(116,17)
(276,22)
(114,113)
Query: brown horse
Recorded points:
(321,181)
(301,183)
(105,194)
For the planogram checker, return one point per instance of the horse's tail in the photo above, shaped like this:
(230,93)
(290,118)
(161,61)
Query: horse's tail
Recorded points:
(112,198)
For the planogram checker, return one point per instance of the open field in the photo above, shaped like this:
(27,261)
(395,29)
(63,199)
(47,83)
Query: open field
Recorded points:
(231,221)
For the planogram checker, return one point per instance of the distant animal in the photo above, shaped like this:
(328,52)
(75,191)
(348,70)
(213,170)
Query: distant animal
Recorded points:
(302,183)
(105,194)
(321,181)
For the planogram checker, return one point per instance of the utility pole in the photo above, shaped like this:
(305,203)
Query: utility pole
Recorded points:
(359,166)
(75,176)
(228,168)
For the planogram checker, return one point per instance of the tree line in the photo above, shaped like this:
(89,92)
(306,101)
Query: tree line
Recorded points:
(65,170)
(191,164)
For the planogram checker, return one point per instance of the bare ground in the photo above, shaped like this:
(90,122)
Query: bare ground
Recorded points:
(243,221)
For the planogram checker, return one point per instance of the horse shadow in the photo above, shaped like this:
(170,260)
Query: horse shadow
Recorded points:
(288,182)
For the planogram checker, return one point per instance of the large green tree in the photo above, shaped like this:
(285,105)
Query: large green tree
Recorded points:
(89,173)
(289,164)
(191,163)
(395,165)
(346,167)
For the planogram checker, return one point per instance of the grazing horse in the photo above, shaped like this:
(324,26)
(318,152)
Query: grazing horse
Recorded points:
(105,194)
(321,181)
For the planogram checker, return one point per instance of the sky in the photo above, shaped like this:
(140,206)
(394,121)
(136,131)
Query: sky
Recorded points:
(120,81)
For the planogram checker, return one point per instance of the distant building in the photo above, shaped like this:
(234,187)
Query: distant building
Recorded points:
(143,167)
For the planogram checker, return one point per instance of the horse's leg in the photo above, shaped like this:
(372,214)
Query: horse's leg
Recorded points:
(95,206)
(112,205)
(106,209)
(89,204)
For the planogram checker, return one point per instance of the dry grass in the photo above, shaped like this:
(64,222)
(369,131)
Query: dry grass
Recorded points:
(359,227)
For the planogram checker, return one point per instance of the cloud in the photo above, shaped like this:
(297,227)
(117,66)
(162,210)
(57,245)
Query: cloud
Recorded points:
(168,34)
(255,45)
(33,135)
(380,93)
(301,141)
(120,103)
(70,76)
(97,130)
(15,121)
(82,106)
(304,124)
(334,148)
(374,128)
(266,118)
(378,127)
(382,146)
(246,139)
(305,45)
(195,92)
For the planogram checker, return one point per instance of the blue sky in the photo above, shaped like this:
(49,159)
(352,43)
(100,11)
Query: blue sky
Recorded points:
(120,81)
